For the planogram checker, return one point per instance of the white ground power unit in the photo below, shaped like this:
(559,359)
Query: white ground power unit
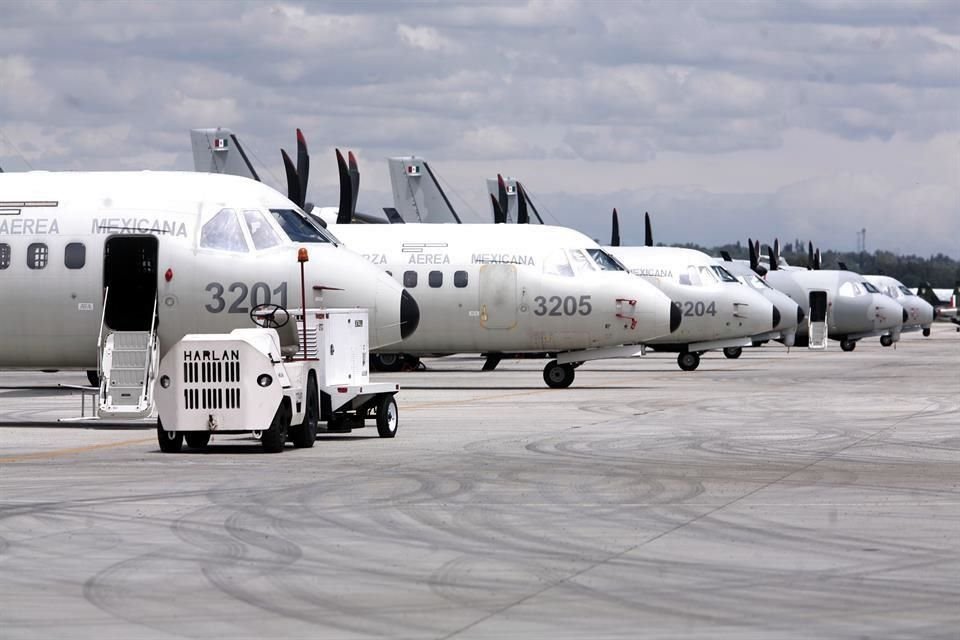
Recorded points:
(257,381)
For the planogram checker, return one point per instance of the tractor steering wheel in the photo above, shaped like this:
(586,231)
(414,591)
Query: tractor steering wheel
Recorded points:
(269,316)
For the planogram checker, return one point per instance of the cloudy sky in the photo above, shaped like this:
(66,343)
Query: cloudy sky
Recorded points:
(803,119)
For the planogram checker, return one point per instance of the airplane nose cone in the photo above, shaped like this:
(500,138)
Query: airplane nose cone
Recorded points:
(776,316)
(800,315)
(906,316)
(676,315)
(409,315)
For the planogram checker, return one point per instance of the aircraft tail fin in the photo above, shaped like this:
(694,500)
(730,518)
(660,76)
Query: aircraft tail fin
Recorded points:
(417,194)
(219,151)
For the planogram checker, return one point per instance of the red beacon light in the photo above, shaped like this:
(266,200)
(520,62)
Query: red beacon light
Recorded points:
(168,276)
(302,255)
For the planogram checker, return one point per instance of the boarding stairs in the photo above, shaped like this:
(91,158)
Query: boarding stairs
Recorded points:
(127,364)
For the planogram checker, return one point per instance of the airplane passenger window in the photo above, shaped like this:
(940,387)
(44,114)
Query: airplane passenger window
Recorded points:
(75,255)
(4,255)
(223,232)
(262,233)
(298,228)
(460,279)
(605,261)
(557,264)
(37,255)
(435,279)
(410,279)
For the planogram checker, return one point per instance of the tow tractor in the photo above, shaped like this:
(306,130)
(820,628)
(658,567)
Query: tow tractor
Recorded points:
(280,380)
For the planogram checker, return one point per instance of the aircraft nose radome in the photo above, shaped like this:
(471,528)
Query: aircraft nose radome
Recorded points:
(409,315)
(776,316)
(676,315)
(800,315)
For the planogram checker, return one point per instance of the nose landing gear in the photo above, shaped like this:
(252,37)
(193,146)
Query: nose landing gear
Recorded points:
(689,360)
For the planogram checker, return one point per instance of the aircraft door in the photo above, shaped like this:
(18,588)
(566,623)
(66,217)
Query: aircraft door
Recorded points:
(817,320)
(130,282)
(498,296)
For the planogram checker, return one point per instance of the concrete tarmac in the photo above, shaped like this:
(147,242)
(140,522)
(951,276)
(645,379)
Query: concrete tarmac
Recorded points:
(800,495)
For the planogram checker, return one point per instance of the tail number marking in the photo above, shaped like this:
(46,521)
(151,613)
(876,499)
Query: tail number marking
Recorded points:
(243,295)
(565,306)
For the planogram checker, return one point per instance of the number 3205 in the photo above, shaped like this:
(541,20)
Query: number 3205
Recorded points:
(562,306)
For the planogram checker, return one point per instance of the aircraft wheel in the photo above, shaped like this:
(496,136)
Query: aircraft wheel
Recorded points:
(305,434)
(886,341)
(689,361)
(733,352)
(389,362)
(93,377)
(926,332)
(274,438)
(848,345)
(197,439)
(170,441)
(558,376)
(387,417)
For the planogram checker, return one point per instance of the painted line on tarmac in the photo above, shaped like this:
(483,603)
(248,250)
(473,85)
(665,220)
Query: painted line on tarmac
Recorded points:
(56,453)
(445,403)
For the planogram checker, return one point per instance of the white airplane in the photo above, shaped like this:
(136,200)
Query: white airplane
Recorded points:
(919,311)
(838,304)
(543,291)
(719,311)
(130,262)
(943,301)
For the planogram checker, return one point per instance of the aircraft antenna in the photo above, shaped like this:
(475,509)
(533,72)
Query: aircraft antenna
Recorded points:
(16,150)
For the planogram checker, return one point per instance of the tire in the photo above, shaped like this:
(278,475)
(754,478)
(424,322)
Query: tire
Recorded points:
(305,434)
(388,362)
(926,332)
(93,377)
(170,441)
(886,341)
(733,352)
(197,439)
(558,376)
(275,438)
(848,345)
(688,361)
(387,417)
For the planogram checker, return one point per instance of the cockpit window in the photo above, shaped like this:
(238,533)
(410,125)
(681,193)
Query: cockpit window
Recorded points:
(605,261)
(869,287)
(557,264)
(708,276)
(223,232)
(581,262)
(905,291)
(260,229)
(756,282)
(298,228)
(850,290)
(724,275)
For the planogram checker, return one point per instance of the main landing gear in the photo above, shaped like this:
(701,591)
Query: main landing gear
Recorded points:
(558,376)
(733,352)
(689,360)
(848,345)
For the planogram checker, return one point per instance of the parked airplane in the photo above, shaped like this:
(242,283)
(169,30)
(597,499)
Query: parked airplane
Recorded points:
(139,259)
(919,311)
(720,312)
(944,302)
(541,291)
(838,304)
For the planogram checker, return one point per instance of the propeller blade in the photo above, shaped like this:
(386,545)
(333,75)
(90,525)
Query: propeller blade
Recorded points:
(354,181)
(776,251)
(523,217)
(754,259)
(502,195)
(772,256)
(843,266)
(810,263)
(303,166)
(816,260)
(615,235)
(726,256)
(346,190)
(647,230)
(499,217)
(293,180)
